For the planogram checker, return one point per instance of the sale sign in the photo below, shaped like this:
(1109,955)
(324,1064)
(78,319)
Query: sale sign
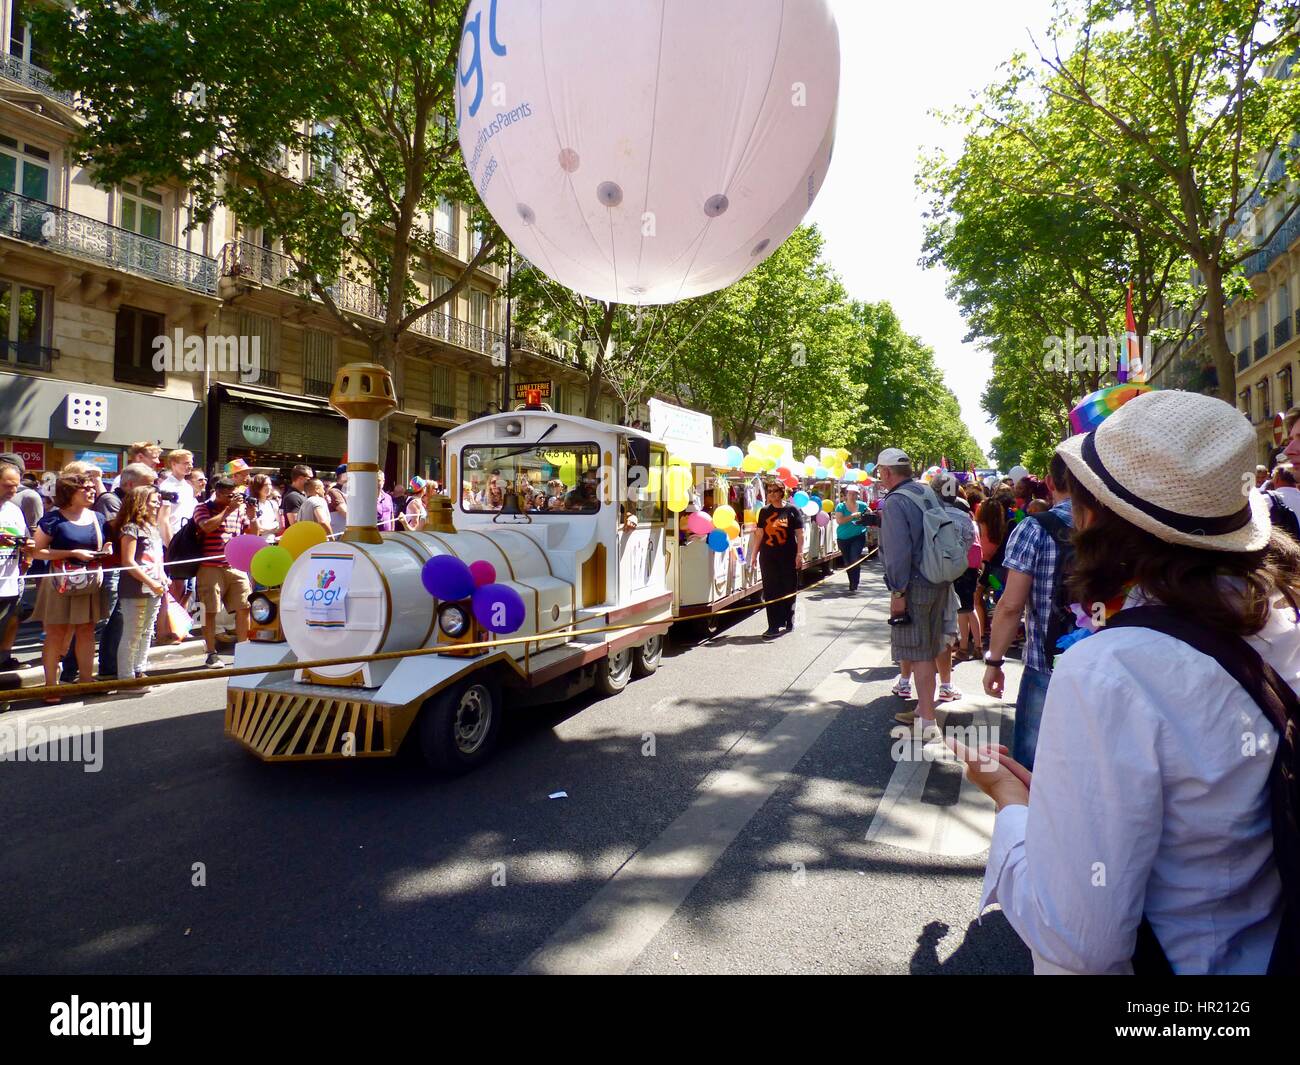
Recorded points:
(32,454)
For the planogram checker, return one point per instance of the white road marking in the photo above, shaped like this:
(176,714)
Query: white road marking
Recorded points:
(608,934)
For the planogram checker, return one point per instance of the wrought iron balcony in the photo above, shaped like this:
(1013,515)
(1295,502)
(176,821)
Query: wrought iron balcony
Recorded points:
(1261,347)
(266,378)
(538,343)
(33,77)
(1243,359)
(1282,332)
(29,356)
(443,410)
(82,237)
(446,241)
(1274,249)
(313,387)
(244,259)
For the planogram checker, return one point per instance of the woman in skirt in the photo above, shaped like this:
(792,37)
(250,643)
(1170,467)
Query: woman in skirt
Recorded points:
(74,540)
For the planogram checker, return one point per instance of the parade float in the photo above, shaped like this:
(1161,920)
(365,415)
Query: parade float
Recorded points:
(477,583)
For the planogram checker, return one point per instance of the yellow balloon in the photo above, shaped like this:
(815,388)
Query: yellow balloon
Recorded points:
(302,536)
(827,505)
(677,503)
(733,532)
(724,516)
(751,464)
(270,566)
(769,464)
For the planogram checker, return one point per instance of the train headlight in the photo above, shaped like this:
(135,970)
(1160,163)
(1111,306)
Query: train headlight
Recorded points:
(454,621)
(262,609)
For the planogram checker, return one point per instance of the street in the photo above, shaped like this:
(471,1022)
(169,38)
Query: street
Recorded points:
(740,811)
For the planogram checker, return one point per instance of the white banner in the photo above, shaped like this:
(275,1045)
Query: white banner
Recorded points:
(324,597)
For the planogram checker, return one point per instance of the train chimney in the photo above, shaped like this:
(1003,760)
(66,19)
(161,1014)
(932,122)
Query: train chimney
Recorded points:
(363,394)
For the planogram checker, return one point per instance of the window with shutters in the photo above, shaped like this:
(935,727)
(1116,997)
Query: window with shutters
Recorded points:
(442,385)
(263,345)
(133,347)
(317,362)
(478,395)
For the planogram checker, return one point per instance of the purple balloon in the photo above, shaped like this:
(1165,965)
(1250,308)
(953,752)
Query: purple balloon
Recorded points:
(498,608)
(823,519)
(447,577)
(241,549)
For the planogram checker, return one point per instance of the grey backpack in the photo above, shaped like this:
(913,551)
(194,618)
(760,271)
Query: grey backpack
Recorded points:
(943,556)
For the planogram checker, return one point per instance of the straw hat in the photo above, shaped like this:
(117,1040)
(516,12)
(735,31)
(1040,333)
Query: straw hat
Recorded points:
(1178,465)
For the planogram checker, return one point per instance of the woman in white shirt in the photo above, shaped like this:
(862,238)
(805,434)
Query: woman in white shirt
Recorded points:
(1150,784)
(269,524)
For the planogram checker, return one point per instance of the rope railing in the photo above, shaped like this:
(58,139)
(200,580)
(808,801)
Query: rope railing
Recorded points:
(101,686)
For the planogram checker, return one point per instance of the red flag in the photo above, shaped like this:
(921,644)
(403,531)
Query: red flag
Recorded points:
(1130,363)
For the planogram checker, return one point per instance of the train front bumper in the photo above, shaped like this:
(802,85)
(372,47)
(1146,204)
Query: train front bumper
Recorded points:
(280,725)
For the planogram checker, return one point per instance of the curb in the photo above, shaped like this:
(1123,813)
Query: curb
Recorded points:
(168,654)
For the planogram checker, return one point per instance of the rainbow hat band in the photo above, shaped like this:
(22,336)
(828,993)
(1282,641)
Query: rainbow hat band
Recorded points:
(1097,406)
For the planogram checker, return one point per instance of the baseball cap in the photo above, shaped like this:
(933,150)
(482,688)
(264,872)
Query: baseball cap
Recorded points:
(1017,473)
(893,456)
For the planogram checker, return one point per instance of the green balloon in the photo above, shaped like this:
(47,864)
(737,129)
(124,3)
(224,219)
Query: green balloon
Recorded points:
(271,566)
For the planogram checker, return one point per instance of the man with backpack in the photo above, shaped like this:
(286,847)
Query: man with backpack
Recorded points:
(1037,560)
(923,554)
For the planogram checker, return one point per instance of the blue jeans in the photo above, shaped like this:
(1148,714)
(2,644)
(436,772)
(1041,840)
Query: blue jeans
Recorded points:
(1029,715)
(851,550)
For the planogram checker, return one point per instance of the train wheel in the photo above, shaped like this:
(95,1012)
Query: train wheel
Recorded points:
(645,659)
(614,671)
(459,727)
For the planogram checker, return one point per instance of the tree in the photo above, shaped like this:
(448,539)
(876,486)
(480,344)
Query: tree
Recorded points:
(1164,115)
(213,95)
(769,353)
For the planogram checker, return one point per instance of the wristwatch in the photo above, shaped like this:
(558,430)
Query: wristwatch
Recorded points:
(996,663)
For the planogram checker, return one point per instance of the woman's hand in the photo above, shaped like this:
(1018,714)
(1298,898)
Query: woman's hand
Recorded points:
(995,772)
(81,554)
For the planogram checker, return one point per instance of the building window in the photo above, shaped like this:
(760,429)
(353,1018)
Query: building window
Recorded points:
(317,362)
(1243,401)
(21,43)
(1265,401)
(479,391)
(141,211)
(24,169)
(480,309)
(442,387)
(133,347)
(322,159)
(1284,385)
(24,325)
(263,341)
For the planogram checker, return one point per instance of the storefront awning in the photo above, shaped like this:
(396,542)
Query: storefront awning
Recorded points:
(277,400)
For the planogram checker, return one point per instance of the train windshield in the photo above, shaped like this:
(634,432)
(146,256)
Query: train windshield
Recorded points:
(549,478)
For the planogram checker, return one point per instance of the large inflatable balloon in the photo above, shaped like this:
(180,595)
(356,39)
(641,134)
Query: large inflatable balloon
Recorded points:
(647,153)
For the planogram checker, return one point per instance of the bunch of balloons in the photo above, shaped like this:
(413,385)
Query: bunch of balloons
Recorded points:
(497,607)
(268,564)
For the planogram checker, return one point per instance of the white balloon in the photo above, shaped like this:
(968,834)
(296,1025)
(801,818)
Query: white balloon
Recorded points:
(653,151)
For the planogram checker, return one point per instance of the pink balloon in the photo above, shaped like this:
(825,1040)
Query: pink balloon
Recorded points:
(483,573)
(241,549)
(699,523)
(823,519)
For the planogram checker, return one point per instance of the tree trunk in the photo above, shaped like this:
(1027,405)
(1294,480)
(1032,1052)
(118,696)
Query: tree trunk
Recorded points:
(597,376)
(1216,337)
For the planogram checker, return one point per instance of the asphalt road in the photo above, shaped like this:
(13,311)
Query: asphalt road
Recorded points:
(716,820)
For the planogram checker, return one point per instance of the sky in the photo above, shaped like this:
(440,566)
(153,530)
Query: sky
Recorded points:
(899,61)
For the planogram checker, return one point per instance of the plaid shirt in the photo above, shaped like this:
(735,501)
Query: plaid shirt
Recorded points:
(1031,550)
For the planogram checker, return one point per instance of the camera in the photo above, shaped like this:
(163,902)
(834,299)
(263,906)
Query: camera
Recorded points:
(169,497)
